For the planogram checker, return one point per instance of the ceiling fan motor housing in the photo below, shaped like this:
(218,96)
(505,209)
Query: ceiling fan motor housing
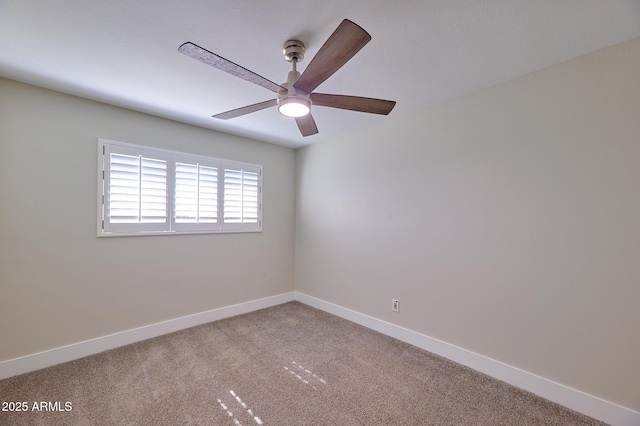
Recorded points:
(292,95)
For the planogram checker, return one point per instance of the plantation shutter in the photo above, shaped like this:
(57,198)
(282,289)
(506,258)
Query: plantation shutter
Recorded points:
(124,189)
(150,191)
(138,190)
(241,196)
(196,193)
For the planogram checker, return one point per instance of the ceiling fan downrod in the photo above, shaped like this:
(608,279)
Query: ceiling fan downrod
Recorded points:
(293,102)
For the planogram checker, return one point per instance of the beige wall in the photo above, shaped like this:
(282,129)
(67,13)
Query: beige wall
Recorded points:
(60,284)
(507,222)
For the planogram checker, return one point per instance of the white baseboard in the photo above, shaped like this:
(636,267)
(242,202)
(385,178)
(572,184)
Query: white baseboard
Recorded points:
(39,360)
(571,398)
(576,400)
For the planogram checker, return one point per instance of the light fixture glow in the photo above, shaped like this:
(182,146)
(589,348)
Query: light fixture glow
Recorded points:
(294,106)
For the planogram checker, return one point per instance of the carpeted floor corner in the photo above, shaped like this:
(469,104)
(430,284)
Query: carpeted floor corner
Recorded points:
(286,365)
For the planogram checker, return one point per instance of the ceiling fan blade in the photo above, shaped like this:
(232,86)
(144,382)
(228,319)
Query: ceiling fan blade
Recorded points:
(246,110)
(342,45)
(353,103)
(307,125)
(216,61)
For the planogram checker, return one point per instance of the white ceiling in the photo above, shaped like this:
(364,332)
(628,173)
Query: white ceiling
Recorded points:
(422,52)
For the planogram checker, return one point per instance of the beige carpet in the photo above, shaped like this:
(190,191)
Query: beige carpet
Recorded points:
(286,365)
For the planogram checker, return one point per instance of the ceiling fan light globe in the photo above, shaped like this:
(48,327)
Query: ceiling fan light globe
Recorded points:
(294,107)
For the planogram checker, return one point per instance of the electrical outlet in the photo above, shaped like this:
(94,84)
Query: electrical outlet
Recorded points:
(395,305)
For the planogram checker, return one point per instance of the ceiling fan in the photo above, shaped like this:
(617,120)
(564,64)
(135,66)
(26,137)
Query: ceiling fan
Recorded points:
(296,96)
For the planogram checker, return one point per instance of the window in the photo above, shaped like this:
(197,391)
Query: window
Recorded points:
(147,191)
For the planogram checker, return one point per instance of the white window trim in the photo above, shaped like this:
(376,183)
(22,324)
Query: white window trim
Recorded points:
(106,229)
